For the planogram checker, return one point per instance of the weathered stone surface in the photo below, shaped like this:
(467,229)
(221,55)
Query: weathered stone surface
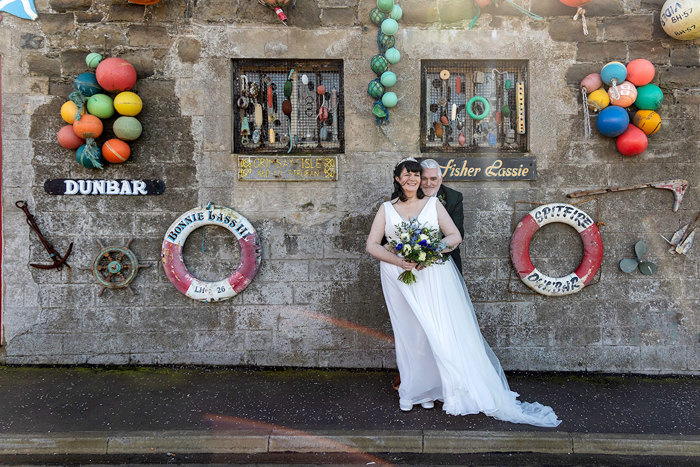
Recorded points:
(338,17)
(216,11)
(627,27)
(420,12)
(315,273)
(189,49)
(565,30)
(601,52)
(31,41)
(129,12)
(677,77)
(70,5)
(654,51)
(42,65)
(148,36)
(73,62)
(453,11)
(685,56)
(57,23)
(88,17)
(306,14)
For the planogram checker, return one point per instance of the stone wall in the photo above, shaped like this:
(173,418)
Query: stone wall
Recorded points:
(316,300)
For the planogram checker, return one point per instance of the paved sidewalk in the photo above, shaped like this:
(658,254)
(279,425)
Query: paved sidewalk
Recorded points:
(148,410)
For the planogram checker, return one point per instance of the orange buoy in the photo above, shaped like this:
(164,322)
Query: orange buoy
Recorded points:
(88,126)
(116,151)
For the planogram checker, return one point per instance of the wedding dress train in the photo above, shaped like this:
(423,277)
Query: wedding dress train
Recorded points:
(440,351)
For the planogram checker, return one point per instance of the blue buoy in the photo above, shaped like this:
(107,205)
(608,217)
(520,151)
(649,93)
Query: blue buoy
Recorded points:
(87,85)
(613,121)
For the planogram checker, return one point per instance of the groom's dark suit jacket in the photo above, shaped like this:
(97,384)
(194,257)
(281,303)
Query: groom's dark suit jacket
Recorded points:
(455,208)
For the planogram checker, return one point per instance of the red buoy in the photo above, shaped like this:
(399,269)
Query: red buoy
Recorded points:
(575,3)
(116,74)
(632,142)
(68,139)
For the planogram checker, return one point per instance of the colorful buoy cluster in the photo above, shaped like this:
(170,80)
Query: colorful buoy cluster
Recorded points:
(630,91)
(386,16)
(90,104)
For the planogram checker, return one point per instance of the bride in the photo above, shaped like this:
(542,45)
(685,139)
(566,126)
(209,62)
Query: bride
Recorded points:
(440,352)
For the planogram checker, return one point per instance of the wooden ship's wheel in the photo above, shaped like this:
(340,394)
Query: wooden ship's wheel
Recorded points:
(115,267)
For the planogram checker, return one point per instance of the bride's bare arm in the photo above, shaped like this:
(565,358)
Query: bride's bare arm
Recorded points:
(375,248)
(448,228)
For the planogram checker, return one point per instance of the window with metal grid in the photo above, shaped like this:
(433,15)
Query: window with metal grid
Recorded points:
(288,106)
(496,93)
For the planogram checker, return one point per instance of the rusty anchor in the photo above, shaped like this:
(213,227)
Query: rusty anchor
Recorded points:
(677,186)
(58,260)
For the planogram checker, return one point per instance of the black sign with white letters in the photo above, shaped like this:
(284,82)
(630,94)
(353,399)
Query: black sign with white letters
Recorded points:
(69,186)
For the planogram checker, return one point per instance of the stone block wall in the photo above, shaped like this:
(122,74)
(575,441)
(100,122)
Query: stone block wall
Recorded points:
(316,300)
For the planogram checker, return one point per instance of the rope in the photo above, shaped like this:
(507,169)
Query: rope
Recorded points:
(615,91)
(89,151)
(79,101)
(204,231)
(586,114)
(525,11)
(382,48)
(582,12)
(476,17)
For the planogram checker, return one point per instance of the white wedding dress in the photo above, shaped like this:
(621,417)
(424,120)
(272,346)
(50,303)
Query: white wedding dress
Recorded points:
(440,351)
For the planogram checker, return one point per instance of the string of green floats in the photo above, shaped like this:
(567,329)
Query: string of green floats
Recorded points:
(386,16)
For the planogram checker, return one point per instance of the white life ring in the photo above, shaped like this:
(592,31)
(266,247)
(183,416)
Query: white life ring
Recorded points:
(177,271)
(592,249)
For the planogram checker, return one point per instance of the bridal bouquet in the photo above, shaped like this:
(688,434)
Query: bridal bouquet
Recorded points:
(419,244)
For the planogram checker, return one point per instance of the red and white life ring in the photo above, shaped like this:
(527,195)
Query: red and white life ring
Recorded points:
(592,249)
(177,271)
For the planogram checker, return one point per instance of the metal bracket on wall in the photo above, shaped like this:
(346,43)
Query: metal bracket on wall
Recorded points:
(512,229)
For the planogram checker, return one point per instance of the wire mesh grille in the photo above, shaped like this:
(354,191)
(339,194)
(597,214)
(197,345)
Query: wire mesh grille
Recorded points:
(309,120)
(493,87)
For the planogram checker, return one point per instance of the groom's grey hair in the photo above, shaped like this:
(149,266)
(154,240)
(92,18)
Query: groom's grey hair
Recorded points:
(430,164)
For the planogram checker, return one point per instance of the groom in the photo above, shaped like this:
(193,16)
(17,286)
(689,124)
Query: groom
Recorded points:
(431,184)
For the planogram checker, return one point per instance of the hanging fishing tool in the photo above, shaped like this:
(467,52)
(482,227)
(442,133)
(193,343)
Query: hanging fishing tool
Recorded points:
(242,103)
(677,186)
(277,5)
(58,260)
(682,240)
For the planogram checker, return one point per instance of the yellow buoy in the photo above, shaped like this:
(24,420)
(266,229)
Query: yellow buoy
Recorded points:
(128,103)
(648,121)
(598,100)
(69,110)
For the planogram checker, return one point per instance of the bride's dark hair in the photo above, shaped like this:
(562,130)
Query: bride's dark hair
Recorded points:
(411,166)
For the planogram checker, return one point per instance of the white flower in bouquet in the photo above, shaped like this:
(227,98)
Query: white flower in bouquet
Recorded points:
(416,244)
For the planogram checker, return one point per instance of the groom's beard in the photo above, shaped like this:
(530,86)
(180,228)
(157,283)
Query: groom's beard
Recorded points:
(434,193)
